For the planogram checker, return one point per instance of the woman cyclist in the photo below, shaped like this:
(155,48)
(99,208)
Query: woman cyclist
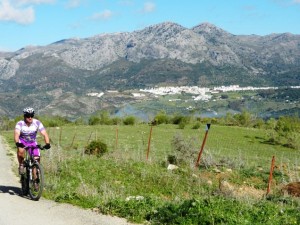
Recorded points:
(25,135)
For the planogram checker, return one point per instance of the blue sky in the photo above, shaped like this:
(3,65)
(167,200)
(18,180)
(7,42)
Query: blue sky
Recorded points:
(42,22)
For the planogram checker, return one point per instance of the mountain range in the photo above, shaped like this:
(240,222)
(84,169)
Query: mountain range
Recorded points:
(56,78)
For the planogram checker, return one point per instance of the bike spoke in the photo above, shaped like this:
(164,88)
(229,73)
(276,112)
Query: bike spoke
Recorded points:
(37,183)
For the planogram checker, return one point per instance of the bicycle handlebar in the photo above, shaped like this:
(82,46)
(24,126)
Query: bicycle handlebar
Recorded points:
(42,147)
(39,146)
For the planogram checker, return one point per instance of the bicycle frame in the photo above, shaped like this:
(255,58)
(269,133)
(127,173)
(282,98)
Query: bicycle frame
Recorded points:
(34,175)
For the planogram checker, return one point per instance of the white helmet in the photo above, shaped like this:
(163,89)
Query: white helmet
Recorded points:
(28,110)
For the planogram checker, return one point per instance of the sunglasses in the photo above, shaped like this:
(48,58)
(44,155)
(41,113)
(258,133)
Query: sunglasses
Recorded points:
(29,115)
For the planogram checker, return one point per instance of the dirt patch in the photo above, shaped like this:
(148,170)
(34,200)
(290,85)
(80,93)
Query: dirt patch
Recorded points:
(243,191)
(292,189)
(246,191)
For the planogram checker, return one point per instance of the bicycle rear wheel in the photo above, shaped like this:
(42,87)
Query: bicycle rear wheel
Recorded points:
(36,185)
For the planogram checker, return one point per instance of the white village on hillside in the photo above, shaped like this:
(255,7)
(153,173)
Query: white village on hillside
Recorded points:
(201,93)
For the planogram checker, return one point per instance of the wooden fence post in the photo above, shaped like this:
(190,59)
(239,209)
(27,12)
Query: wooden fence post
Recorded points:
(271,174)
(149,142)
(73,139)
(203,143)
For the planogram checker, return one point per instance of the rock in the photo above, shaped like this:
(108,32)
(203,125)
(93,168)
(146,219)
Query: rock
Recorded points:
(172,167)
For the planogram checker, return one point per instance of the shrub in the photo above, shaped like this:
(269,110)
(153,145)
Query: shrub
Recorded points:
(79,121)
(116,121)
(6,123)
(271,123)
(161,118)
(292,141)
(185,150)
(181,125)
(105,118)
(177,119)
(286,132)
(172,159)
(130,120)
(259,123)
(94,120)
(196,126)
(244,119)
(97,148)
(287,124)
(54,121)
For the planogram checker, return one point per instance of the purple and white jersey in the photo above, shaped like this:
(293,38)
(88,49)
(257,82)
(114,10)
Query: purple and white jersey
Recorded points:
(28,133)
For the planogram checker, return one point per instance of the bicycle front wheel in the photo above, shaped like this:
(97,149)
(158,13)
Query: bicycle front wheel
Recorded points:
(24,184)
(36,184)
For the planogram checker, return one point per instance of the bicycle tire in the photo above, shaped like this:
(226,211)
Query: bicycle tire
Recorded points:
(24,184)
(35,191)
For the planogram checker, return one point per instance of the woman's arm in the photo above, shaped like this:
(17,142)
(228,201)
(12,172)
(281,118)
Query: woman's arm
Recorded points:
(46,137)
(17,135)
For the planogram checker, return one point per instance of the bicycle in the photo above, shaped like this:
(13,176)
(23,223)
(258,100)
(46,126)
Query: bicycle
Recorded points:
(32,181)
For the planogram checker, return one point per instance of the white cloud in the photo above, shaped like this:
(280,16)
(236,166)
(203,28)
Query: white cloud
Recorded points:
(296,1)
(149,7)
(31,2)
(8,12)
(104,15)
(20,11)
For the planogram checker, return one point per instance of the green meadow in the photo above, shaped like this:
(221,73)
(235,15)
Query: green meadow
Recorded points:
(132,179)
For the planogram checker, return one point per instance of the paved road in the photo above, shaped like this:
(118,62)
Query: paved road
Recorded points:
(17,210)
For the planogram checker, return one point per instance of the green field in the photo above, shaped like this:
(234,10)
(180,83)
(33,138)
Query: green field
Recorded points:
(124,182)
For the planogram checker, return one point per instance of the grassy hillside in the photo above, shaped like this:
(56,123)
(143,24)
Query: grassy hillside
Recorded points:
(229,186)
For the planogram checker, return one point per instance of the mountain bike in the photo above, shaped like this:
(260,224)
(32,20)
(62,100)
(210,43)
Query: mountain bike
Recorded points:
(32,181)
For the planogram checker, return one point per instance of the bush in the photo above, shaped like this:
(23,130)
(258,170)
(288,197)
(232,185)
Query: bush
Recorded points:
(184,150)
(292,141)
(287,124)
(287,132)
(97,148)
(105,118)
(181,125)
(94,120)
(196,126)
(177,119)
(161,118)
(259,123)
(102,117)
(244,119)
(130,120)
(172,159)
(79,121)
(54,121)
(6,123)
(116,121)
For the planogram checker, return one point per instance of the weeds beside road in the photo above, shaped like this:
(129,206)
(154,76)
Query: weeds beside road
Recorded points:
(16,210)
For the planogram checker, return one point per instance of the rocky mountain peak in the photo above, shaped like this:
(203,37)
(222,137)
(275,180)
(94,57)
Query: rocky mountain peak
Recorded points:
(165,29)
(210,29)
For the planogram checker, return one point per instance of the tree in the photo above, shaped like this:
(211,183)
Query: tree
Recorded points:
(161,117)
(129,120)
